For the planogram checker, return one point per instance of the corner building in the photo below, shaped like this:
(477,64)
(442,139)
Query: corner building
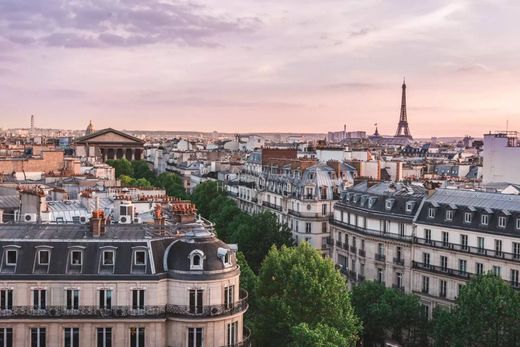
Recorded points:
(124,285)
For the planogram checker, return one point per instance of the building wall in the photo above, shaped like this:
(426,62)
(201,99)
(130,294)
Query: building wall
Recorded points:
(500,162)
(50,161)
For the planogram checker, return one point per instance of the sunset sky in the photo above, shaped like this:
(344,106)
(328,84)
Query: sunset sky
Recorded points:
(261,65)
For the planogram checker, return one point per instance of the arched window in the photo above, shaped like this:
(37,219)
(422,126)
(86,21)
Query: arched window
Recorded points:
(196,260)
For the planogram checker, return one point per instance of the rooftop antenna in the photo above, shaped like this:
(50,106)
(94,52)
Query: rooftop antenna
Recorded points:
(507,125)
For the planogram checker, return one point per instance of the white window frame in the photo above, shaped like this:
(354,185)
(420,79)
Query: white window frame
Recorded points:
(113,257)
(40,251)
(449,215)
(502,222)
(468,216)
(484,219)
(71,329)
(7,262)
(135,257)
(193,254)
(75,251)
(104,332)
(431,212)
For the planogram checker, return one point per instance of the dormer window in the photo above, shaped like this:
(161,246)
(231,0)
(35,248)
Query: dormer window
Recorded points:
(44,256)
(10,257)
(431,212)
(371,202)
(468,217)
(140,258)
(518,223)
(409,206)
(484,219)
(502,221)
(196,260)
(108,257)
(76,257)
(449,215)
(355,199)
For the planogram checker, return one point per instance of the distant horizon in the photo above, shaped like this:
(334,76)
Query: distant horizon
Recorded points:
(249,66)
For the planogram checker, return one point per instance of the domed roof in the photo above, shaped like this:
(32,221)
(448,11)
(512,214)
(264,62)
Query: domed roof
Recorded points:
(178,255)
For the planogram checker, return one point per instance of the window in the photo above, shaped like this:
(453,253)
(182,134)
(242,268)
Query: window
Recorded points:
(464,242)
(6,299)
(496,270)
(232,334)
(443,285)
(380,249)
(140,258)
(6,337)
(484,219)
(402,228)
(518,223)
(426,259)
(467,217)
(480,244)
(138,299)
(108,258)
(498,248)
(71,337)
(43,257)
(445,239)
(38,337)
(196,302)
(72,299)
(516,250)
(104,337)
(196,260)
(409,206)
(463,265)
(324,209)
(479,268)
(502,221)
(195,337)
(399,280)
(39,299)
(76,258)
(428,235)
(444,263)
(10,258)
(105,299)
(425,284)
(514,278)
(431,212)
(136,337)
(449,215)
(459,288)
(229,296)
(399,253)
(324,227)
(380,275)
(308,227)
(388,204)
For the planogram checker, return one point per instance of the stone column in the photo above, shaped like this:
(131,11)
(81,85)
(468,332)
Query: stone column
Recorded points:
(133,153)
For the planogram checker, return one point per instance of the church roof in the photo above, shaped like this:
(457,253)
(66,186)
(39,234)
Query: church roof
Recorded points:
(91,137)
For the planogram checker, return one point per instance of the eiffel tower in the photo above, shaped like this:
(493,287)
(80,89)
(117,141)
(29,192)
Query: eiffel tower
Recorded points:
(402,127)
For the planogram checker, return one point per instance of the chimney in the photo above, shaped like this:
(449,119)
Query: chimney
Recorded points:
(97,223)
(158,219)
(184,212)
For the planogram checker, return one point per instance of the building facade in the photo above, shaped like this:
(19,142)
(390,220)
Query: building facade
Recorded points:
(119,285)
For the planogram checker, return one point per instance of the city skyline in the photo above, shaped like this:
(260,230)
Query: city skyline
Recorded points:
(251,67)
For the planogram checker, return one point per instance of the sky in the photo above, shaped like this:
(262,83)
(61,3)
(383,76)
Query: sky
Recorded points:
(261,65)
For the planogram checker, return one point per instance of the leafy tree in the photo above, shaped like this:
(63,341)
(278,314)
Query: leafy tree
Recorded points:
(389,313)
(256,237)
(203,196)
(142,170)
(142,182)
(486,314)
(127,180)
(122,167)
(320,336)
(296,285)
(172,183)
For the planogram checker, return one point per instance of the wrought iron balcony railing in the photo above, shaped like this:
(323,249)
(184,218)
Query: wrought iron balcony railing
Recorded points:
(246,339)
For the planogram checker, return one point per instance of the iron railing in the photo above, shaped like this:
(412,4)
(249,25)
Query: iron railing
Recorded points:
(371,232)
(246,339)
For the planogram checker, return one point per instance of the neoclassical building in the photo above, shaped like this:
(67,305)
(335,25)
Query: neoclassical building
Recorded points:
(103,285)
(109,144)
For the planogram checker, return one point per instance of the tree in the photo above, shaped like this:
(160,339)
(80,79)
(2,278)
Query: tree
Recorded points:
(172,183)
(486,313)
(204,194)
(320,336)
(386,313)
(142,170)
(296,285)
(256,237)
(122,167)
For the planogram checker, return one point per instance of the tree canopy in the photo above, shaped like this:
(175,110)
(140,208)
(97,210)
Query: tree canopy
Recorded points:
(486,313)
(296,286)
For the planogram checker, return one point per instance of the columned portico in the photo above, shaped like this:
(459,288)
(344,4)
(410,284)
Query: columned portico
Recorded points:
(110,144)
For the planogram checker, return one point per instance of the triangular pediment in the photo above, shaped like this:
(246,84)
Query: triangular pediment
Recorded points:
(109,136)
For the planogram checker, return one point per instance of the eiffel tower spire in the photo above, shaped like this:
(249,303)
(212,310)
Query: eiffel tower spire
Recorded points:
(402,126)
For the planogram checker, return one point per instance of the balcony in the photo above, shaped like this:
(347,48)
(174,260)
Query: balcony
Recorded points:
(345,246)
(442,270)
(325,247)
(127,312)
(362,253)
(273,206)
(338,243)
(313,215)
(491,253)
(344,271)
(399,261)
(246,340)
(365,231)
(330,241)
(380,257)
(353,249)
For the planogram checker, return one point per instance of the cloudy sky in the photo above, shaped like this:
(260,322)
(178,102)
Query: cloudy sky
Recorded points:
(261,65)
